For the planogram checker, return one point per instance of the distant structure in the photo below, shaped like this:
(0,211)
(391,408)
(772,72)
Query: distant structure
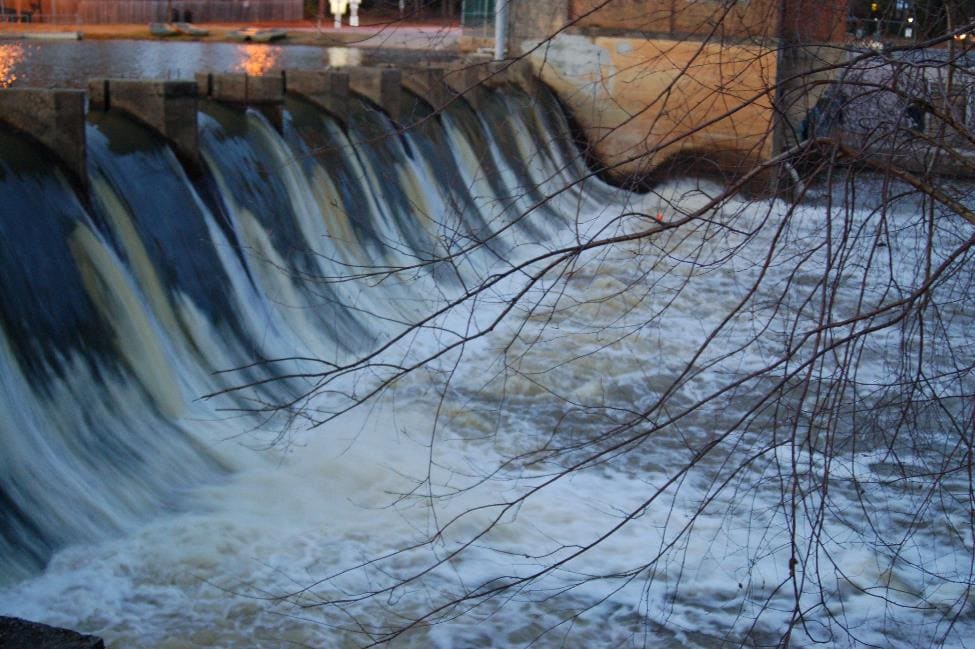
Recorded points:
(140,11)
(802,20)
(728,83)
(146,11)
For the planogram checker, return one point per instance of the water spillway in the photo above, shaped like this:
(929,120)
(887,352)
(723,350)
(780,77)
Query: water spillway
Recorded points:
(183,334)
(127,299)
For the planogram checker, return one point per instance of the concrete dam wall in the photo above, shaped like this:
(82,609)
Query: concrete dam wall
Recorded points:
(56,117)
(633,117)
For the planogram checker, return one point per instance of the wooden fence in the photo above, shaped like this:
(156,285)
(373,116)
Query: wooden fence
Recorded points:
(199,11)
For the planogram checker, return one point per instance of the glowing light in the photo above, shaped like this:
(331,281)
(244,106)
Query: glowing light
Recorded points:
(10,56)
(257,59)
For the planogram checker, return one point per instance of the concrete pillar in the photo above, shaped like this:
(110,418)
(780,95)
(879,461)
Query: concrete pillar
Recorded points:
(266,93)
(265,90)
(804,74)
(474,72)
(382,86)
(55,118)
(327,89)
(530,22)
(242,88)
(168,107)
(98,94)
(428,83)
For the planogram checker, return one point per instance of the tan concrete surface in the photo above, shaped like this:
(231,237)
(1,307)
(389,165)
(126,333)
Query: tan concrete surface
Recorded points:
(640,101)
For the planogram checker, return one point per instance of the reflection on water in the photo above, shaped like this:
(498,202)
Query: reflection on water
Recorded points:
(341,56)
(255,60)
(69,64)
(10,56)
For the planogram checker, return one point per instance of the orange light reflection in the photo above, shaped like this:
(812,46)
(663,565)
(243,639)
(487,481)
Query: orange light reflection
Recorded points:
(10,56)
(257,59)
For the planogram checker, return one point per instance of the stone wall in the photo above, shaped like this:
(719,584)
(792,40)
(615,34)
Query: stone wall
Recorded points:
(649,79)
(806,72)
(643,101)
(815,21)
(534,18)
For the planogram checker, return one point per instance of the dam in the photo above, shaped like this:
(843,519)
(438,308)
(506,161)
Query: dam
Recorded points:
(337,355)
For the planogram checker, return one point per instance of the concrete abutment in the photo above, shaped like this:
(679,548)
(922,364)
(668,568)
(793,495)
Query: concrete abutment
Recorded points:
(54,118)
(327,89)
(167,107)
(613,121)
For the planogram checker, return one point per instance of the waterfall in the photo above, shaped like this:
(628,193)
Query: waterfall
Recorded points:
(124,305)
(179,347)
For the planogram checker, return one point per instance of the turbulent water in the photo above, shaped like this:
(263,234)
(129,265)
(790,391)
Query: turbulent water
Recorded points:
(602,444)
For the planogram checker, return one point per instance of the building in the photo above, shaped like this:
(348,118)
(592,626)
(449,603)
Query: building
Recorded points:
(724,83)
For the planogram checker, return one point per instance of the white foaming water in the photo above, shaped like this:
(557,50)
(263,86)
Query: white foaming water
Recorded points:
(703,528)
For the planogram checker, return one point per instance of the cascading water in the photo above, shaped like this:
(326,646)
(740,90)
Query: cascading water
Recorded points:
(134,509)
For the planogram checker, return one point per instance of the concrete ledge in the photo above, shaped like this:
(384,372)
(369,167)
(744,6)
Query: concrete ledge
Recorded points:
(381,86)
(473,73)
(168,107)
(327,89)
(204,84)
(265,90)
(98,94)
(479,72)
(265,94)
(242,88)
(429,84)
(55,118)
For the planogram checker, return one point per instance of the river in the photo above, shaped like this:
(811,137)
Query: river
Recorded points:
(588,417)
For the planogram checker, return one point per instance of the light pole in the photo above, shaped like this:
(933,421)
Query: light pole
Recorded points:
(500,29)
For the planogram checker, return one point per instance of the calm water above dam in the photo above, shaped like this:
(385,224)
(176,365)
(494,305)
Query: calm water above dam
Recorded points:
(69,64)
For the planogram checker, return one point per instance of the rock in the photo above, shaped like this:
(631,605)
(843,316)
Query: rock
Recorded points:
(21,634)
